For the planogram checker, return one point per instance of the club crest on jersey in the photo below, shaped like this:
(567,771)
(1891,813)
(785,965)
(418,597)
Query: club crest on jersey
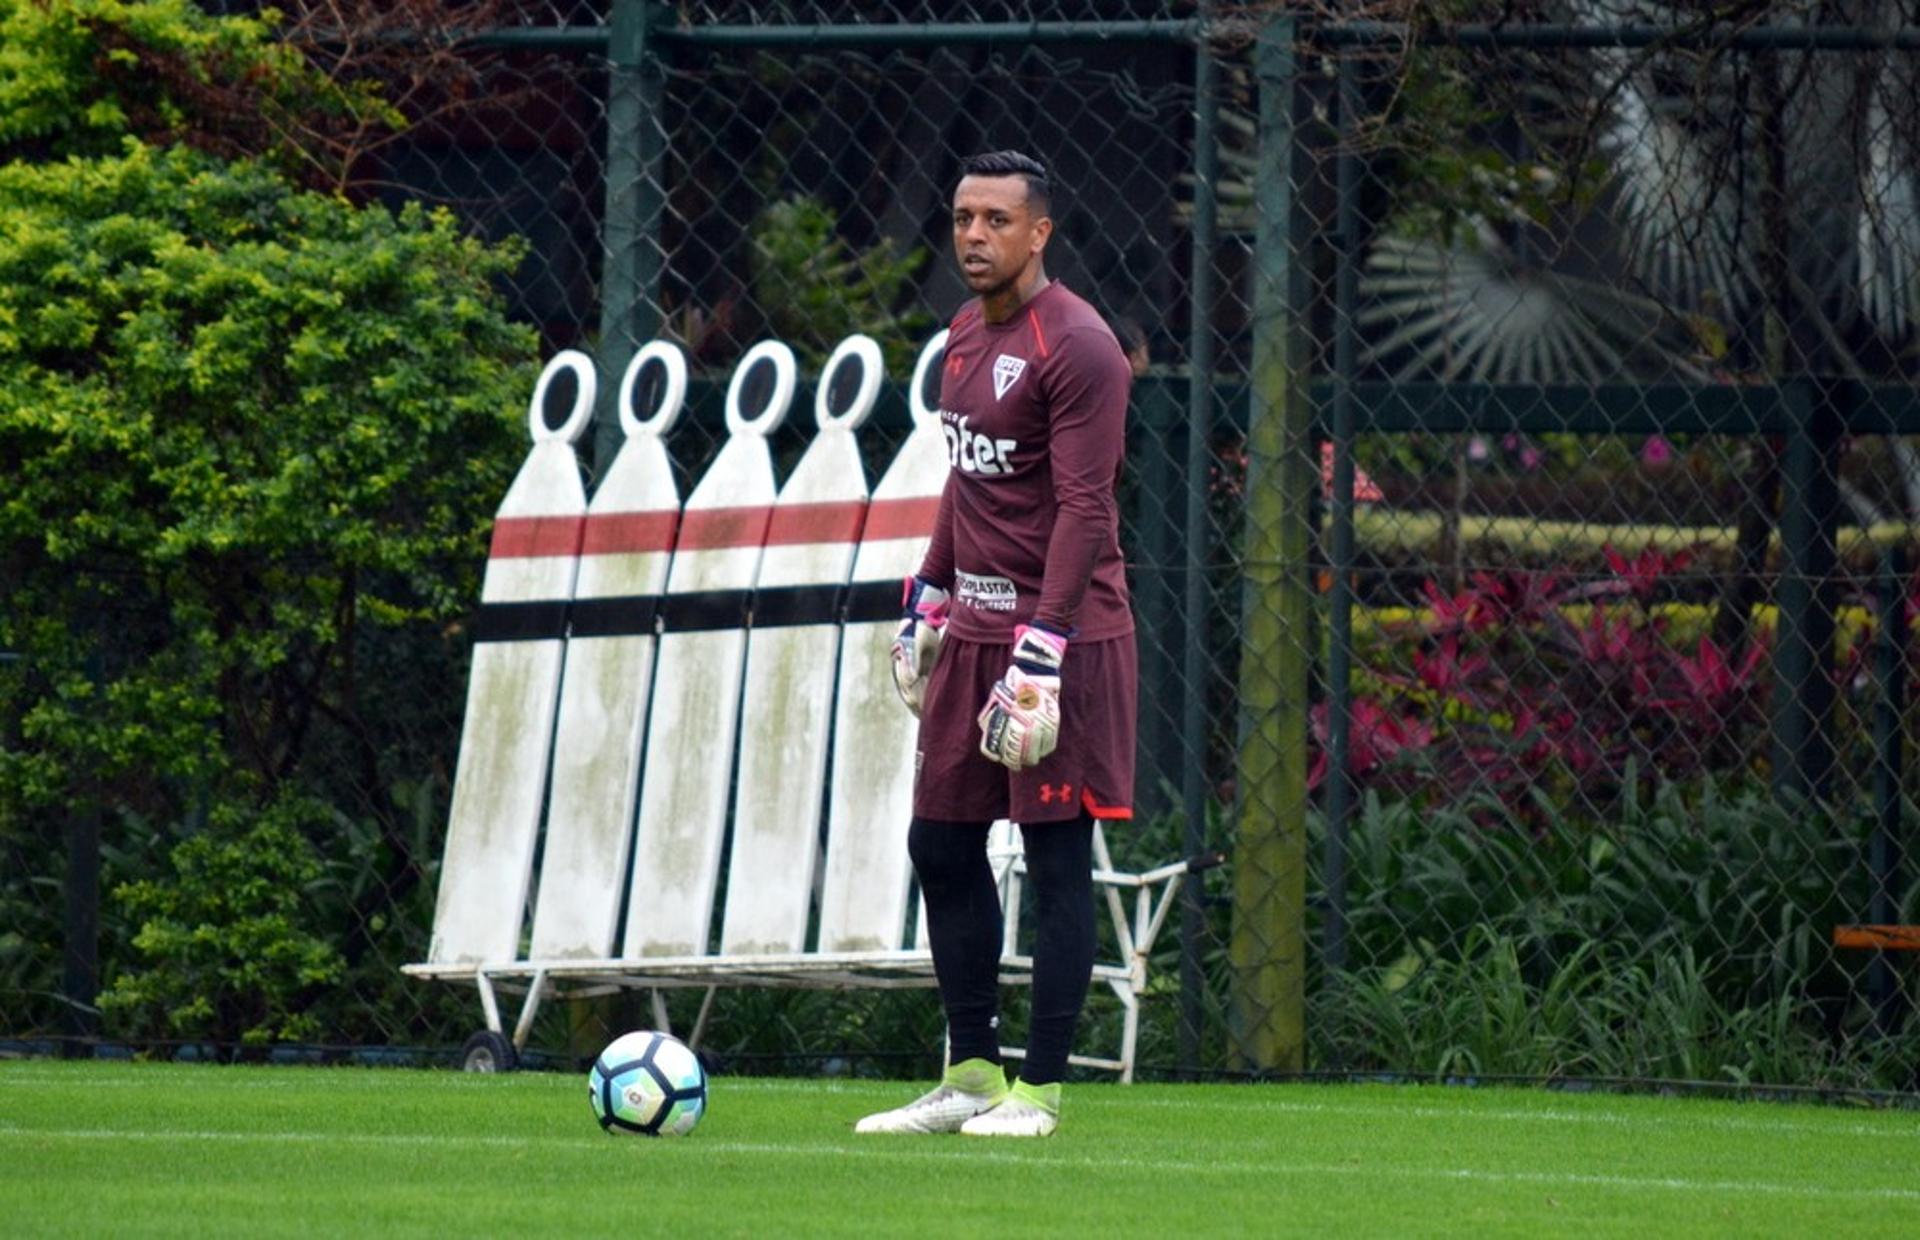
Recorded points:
(1006,372)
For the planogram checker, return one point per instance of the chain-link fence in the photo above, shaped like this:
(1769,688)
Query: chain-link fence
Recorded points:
(1516,502)
(1609,741)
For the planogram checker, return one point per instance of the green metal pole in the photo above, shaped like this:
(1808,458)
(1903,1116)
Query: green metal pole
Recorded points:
(1198,671)
(1693,36)
(1889,769)
(1340,791)
(81,923)
(1267,949)
(1803,688)
(1157,539)
(629,284)
(635,205)
(889,36)
(874,36)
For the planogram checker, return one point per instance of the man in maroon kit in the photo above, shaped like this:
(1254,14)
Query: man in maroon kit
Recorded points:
(1024,564)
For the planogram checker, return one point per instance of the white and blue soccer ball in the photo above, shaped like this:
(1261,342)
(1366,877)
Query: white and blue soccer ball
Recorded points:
(648,1083)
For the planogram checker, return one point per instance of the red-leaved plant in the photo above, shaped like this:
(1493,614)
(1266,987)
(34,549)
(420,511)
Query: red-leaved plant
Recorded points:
(1529,680)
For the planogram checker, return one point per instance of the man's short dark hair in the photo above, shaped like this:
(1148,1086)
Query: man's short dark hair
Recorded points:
(1014,164)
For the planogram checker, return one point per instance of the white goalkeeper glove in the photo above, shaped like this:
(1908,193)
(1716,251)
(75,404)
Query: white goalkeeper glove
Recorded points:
(1020,724)
(917,644)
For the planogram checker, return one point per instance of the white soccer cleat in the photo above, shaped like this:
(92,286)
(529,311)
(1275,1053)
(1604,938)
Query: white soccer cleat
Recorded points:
(1014,1117)
(943,1109)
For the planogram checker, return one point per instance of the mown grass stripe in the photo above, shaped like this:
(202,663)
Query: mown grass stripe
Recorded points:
(1243,1099)
(945,1149)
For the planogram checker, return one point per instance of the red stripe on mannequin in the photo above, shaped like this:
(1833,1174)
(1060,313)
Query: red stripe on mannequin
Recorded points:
(902,518)
(835,522)
(516,538)
(629,533)
(714,529)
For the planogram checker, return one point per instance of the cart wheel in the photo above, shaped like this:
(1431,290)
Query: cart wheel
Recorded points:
(488,1051)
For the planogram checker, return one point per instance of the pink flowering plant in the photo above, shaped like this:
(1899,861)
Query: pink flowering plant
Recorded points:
(1528,682)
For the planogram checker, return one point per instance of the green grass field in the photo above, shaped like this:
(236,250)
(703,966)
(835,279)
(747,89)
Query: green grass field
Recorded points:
(129,1149)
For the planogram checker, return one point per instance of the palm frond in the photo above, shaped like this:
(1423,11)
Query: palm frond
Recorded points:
(1681,217)
(1887,247)
(1477,311)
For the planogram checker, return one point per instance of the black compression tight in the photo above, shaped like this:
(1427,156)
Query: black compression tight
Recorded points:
(964,930)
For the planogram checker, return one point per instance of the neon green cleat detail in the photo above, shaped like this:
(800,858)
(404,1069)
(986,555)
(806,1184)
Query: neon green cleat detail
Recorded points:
(1027,1111)
(967,1089)
(977,1076)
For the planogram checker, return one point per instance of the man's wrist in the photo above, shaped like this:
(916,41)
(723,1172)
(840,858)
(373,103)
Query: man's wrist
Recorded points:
(1039,650)
(921,599)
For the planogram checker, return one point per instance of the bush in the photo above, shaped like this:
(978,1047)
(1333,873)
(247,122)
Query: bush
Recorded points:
(815,290)
(227,952)
(244,427)
(79,77)
(1604,1010)
(1735,876)
(1685,935)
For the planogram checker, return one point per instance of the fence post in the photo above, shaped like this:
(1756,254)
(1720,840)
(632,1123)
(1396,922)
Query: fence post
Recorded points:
(1267,947)
(1803,639)
(1194,791)
(635,202)
(1889,745)
(1339,797)
(80,920)
(1157,424)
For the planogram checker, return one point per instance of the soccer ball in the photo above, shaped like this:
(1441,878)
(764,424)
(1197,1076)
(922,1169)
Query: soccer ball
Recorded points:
(648,1082)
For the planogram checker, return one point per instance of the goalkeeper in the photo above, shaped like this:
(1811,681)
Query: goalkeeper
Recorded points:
(1017,651)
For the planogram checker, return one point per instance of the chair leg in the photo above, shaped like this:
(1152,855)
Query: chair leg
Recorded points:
(660,1020)
(700,1021)
(524,1028)
(489,1005)
(1129,1026)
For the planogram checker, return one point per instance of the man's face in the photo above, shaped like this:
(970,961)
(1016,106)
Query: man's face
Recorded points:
(995,232)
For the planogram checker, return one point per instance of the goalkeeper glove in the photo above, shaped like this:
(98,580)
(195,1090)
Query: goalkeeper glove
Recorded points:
(917,644)
(1020,724)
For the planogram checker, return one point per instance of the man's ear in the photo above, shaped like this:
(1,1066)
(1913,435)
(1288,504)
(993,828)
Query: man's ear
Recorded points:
(1042,229)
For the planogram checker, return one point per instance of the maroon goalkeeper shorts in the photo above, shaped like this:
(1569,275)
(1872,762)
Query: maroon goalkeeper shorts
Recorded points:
(1091,770)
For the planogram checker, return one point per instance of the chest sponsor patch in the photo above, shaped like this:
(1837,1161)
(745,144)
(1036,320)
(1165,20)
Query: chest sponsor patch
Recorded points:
(1006,372)
(985,593)
(973,453)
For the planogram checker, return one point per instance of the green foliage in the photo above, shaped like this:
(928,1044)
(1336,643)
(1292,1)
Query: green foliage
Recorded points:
(815,290)
(380,870)
(244,427)
(77,77)
(246,413)
(1450,173)
(1604,1010)
(223,942)
(1685,936)
(1736,878)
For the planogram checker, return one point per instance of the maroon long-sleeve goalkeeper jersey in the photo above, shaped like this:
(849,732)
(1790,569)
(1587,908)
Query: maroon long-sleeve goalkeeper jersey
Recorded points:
(1034,411)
